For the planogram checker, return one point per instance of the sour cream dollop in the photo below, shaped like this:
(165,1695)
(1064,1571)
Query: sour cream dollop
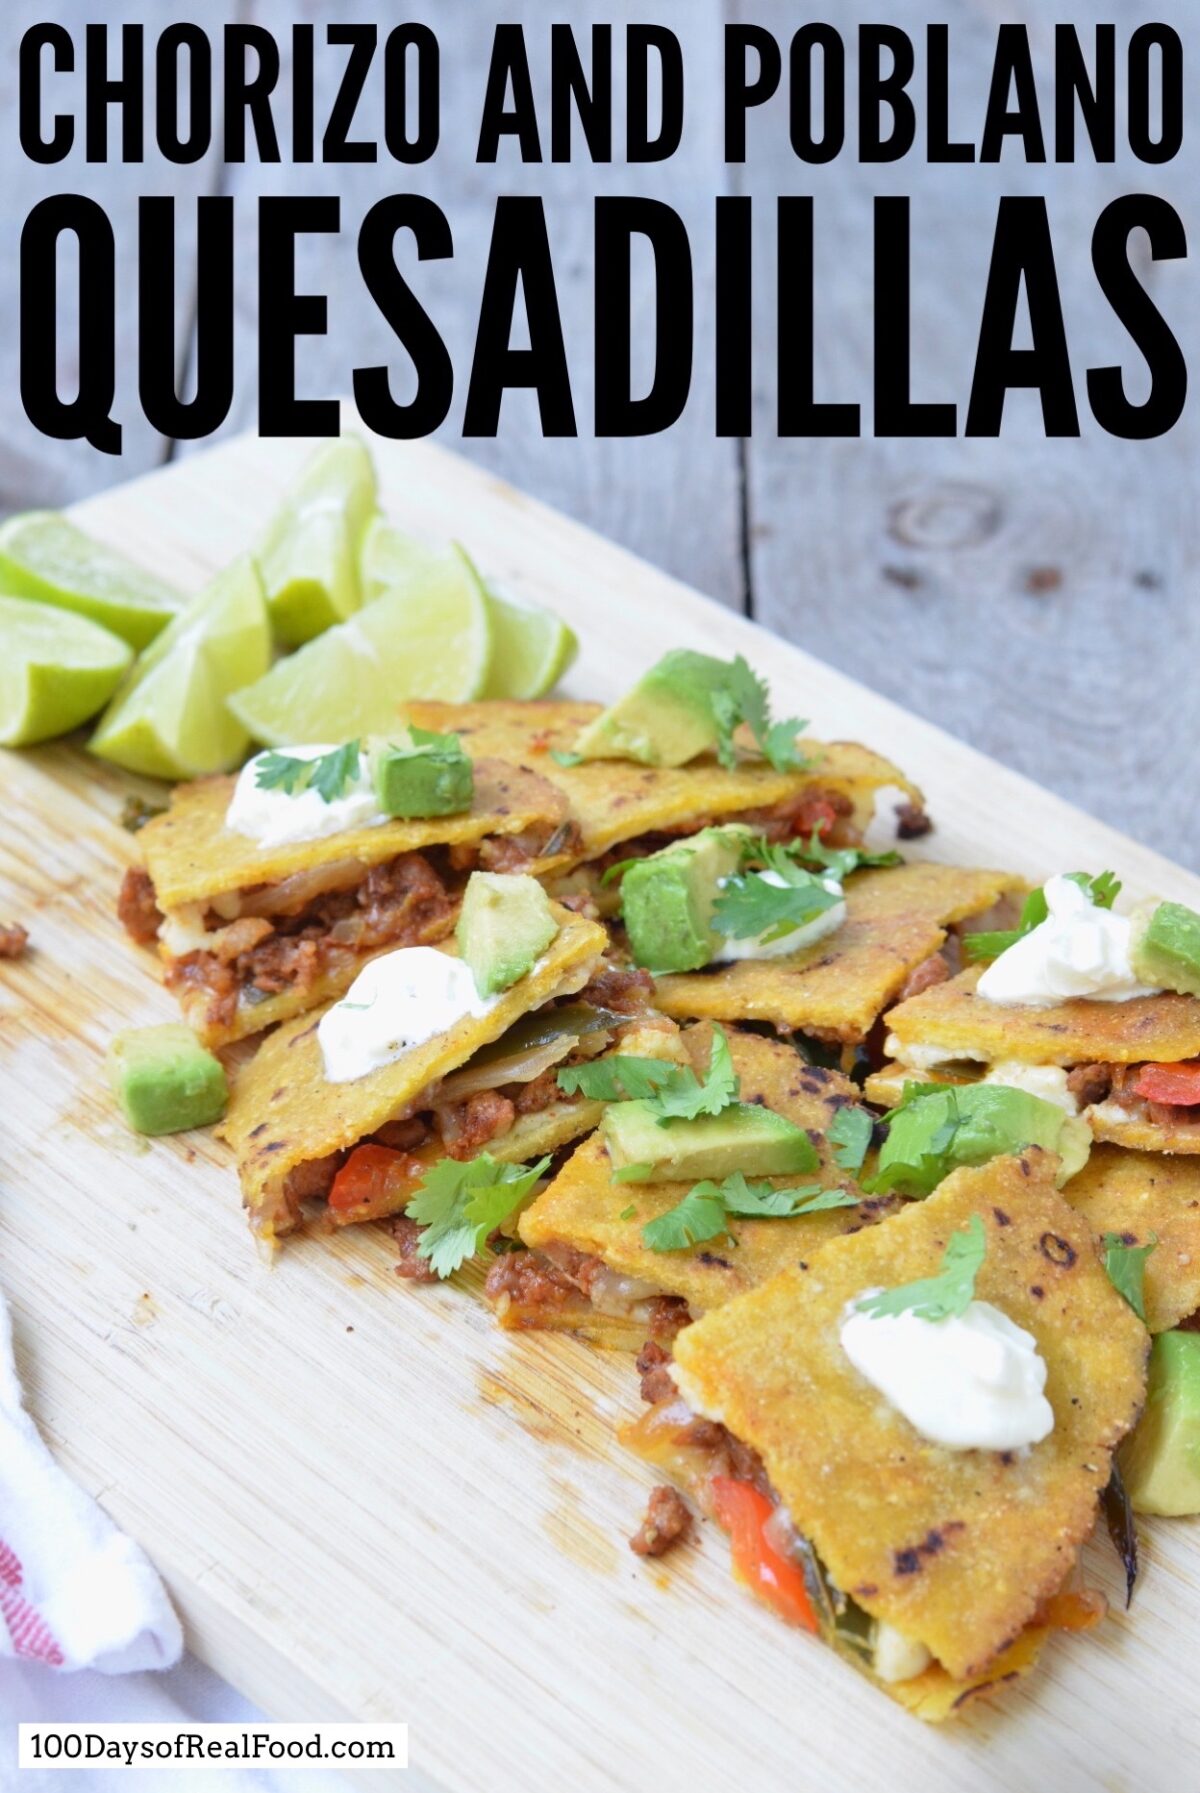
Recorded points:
(753,946)
(973,1382)
(396,1002)
(273,818)
(1079,950)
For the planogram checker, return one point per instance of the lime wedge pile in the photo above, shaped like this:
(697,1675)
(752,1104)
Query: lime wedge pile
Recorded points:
(429,635)
(56,670)
(46,558)
(531,647)
(375,616)
(171,719)
(309,555)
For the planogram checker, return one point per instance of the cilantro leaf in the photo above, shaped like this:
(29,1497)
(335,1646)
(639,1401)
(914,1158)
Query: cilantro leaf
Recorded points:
(749,908)
(1103,889)
(633,1173)
(841,861)
(1126,1268)
(458,1205)
(562,758)
(328,774)
(616,871)
(920,1172)
(621,1078)
(944,1295)
(428,737)
(627,1213)
(698,1217)
(849,1133)
(752,1201)
(685,1096)
(742,697)
(705,1210)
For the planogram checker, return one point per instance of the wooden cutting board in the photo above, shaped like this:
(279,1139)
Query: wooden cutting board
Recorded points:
(367,1500)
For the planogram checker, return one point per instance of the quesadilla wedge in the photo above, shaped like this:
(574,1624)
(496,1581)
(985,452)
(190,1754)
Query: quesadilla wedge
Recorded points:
(250,935)
(898,921)
(1148,1198)
(587,1266)
(1101,1057)
(936,1569)
(292,1130)
(624,810)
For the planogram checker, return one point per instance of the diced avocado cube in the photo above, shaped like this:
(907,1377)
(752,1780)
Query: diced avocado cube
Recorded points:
(422,778)
(667,718)
(667,899)
(164,1080)
(1160,1463)
(1166,948)
(942,1129)
(743,1137)
(505,925)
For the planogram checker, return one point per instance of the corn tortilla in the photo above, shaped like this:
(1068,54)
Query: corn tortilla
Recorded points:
(583,1207)
(956,1548)
(1136,1194)
(617,800)
(283,1113)
(896,918)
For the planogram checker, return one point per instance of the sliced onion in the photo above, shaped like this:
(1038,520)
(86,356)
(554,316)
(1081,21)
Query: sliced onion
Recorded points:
(518,1067)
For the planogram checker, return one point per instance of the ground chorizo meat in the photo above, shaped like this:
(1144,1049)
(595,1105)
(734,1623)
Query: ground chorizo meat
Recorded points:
(912,821)
(466,1127)
(666,1524)
(625,988)
(402,1136)
(538,1094)
(137,910)
(13,940)
(402,901)
(529,1281)
(1090,1083)
(931,971)
(407,1235)
(669,1314)
(652,1366)
(800,816)
(313,1180)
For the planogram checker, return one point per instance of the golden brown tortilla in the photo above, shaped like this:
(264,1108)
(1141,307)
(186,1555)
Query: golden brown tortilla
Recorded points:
(1135,1194)
(954,1019)
(192,857)
(283,1112)
(584,1208)
(895,919)
(956,1548)
(617,800)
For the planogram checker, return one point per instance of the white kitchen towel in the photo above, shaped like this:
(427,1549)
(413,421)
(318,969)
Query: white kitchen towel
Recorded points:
(74,1591)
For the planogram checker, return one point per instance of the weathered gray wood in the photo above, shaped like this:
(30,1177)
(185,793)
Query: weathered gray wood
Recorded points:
(1036,597)
(34,469)
(674,498)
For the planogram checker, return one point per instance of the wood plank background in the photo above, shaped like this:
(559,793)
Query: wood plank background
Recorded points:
(1035,598)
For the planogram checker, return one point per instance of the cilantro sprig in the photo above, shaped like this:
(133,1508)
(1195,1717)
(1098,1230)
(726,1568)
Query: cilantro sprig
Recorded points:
(705,1211)
(750,908)
(742,696)
(841,861)
(944,1295)
(1103,890)
(849,1133)
(671,1092)
(1125,1264)
(328,774)
(460,1204)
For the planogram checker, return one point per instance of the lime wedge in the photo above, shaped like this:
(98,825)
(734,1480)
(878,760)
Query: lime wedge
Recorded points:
(531,649)
(170,717)
(309,555)
(46,558)
(56,670)
(429,635)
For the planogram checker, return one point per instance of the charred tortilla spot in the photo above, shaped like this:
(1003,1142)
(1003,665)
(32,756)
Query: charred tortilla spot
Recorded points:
(1036,1290)
(1002,1218)
(255,1131)
(1058,1250)
(710,1257)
